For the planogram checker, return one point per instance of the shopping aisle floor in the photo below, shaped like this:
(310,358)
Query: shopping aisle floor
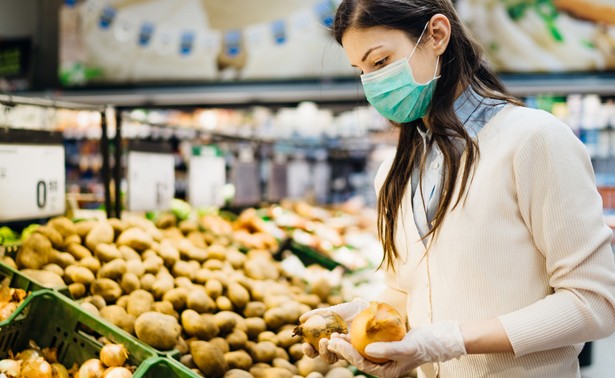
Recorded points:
(603,359)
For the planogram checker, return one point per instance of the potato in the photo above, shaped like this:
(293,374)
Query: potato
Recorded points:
(202,276)
(238,373)
(220,343)
(118,225)
(62,259)
(165,307)
(184,282)
(311,300)
(308,365)
(183,269)
(55,268)
(147,281)
(100,233)
(286,338)
(264,351)
(238,295)
(197,254)
(63,225)
(96,300)
(45,278)
(239,359)
(272,373)
(91,263)
(158,330)
(254,309)
(8,260)
(315,374)
(339,372)
(209,359)
(225,320)
(130,282)
(87,306)
(136,239)
(149,253)
(140,302)
(202,326)
(118,316)
(187,360)
(236,258)
(214,288)
(268,336)
(77,290)
(84,227)
(57,241)
(114,269)
(129,253)
(216,251)
(293,311)
(197,239)
(34,252)
(168,253)
(161,285)
(79,274)
(166,220)
(153,264)
(106,288)
(135,267)
(282,353)
(224,304)
(123,301)
(78,251)
(107,252)
(275,318)
(187,226)
(237,339)
(213,265)
(255,327)
(284,364)
(199,301)
(296,352)
(177,296)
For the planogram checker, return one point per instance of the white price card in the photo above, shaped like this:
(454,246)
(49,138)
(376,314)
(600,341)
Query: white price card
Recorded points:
(206,180)
(32,181)
(151,181)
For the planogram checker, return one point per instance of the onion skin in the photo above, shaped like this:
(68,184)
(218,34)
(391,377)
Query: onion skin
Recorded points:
(92,368)
(12,368)
(117,372)
(59,371)
(113,355)
(36,368)
(321,326)
(379,322)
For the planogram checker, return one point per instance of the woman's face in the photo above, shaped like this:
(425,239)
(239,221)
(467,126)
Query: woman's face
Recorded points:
(373,48)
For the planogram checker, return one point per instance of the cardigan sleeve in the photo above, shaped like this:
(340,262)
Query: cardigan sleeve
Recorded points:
(561,207)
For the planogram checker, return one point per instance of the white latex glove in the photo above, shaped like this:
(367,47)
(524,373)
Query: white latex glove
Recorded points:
(346,311)
(431,343)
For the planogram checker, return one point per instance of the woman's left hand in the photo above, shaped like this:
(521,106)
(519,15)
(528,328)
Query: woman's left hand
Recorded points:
(431,343)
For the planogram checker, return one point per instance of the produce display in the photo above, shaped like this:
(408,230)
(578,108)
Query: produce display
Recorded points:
(185,286)
(35,362)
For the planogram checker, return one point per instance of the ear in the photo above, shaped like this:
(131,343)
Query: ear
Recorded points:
(440,32)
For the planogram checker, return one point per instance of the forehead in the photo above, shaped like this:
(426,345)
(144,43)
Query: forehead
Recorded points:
(357,41)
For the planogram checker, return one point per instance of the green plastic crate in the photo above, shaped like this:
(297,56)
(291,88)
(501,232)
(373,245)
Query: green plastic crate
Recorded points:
(19,280)
(163,367)
(52,320)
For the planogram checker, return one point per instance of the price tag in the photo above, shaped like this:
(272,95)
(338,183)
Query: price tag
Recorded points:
(299,179)
(246,179)
(32,181)
(206,180)
(151,181)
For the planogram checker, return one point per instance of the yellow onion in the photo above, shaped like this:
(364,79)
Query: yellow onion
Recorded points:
(91,368)
(36,368)
(28,355)
(10,367)
(59,371)
(113,355)
(320,326)
(379,322)
(117,372)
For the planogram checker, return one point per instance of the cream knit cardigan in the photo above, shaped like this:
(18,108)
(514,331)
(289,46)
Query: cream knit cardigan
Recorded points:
(529,246)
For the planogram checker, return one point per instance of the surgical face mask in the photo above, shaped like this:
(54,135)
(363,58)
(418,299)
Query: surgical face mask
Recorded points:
(394,92)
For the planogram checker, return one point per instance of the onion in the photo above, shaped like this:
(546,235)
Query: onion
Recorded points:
(113,355)
(10,367)
(36,368)
(117,372)
(28,355)
(320,326)
(91,368)
(379,322)
(59,371)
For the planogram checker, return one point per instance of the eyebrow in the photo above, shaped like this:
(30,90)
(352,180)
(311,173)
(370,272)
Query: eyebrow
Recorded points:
(369,52)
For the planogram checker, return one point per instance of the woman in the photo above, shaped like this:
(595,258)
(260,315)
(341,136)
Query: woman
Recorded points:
(502,264)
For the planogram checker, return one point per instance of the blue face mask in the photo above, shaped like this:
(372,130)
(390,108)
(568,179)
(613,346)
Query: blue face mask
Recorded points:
(394,92)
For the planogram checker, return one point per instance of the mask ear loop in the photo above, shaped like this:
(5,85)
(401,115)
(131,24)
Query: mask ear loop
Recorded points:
(418,41)
(436,70)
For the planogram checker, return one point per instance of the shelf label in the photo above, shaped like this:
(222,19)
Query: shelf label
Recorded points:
(32,181)
(151,181)
(206,180)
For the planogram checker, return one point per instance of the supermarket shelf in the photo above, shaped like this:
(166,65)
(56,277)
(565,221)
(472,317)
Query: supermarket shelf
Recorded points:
(347,91)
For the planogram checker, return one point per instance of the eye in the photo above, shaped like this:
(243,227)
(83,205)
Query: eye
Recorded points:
(381,62)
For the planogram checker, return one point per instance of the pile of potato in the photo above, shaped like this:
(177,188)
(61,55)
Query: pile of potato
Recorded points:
(184,286)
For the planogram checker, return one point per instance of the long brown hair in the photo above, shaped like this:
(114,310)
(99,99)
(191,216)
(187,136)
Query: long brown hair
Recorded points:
(462,65)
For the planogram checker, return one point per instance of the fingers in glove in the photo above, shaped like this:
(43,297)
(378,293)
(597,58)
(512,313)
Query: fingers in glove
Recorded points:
(327,356)
(342,336)
(391,350)
(309,350)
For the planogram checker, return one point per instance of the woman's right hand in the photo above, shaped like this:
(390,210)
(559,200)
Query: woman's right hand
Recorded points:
(346,311)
